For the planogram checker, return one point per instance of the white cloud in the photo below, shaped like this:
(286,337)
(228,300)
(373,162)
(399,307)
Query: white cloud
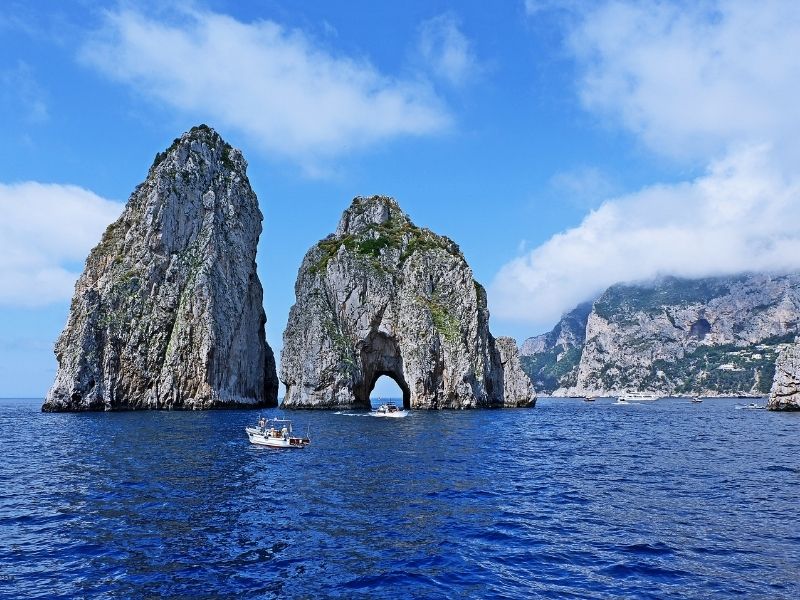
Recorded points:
(293,97)
(446,50)
(45,230)
(710,83)
(693,78)
(741,215)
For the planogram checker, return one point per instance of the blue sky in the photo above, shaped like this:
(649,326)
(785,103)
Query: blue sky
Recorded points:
(564,145)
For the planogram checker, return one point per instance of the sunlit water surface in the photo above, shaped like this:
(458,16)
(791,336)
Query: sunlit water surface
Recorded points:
(569,499)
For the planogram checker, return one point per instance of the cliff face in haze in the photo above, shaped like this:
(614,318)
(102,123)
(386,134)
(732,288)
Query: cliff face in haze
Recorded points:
(168,311)
(711,336)
(382,296)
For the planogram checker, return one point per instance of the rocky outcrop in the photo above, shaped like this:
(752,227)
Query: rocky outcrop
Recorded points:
(711,336)
(785,393)
(382,296)
(551,359)
(168,312)
(569,332)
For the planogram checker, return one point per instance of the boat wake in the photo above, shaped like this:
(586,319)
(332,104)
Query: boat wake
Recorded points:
(397,415)
(350,414)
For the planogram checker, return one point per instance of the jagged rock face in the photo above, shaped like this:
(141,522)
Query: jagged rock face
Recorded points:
(712,336)
(168,312)
(785,393)
(384,297)
(569,332)
(551,358)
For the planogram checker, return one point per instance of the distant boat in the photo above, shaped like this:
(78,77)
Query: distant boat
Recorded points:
(389,409)
(696,399)
(275,433)
(638,397)
(589,398)
(753,406)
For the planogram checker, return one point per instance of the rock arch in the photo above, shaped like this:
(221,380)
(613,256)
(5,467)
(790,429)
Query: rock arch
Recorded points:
(382,296)
(380,355)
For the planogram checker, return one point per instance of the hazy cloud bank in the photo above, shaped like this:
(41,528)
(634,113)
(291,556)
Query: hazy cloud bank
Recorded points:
(708,82)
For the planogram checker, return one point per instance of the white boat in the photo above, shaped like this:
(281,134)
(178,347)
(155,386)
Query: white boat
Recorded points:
(389,409)
(275,433)
(637,397)
(753,406)
(696,399)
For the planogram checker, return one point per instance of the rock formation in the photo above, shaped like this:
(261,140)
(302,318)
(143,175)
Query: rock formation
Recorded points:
(785,393)
(384,297)
(710,336)
(168,312)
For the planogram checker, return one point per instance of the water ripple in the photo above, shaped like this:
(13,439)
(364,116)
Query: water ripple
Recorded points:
(567,500)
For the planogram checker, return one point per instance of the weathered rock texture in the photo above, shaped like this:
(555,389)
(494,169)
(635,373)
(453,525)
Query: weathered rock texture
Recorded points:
(711,336)
(785,393)
(168,312)
(384,297)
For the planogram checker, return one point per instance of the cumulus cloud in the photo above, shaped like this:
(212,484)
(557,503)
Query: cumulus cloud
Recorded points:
(739,216)
(45,234)
(447,50)
(709,83)
(691,78)
(292,96)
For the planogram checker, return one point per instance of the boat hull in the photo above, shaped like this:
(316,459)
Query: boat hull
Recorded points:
(260,439)
(391,415)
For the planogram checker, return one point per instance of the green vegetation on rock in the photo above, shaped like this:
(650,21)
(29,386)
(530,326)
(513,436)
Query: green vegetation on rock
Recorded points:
(548,372)
(394,233)
(622,299)
(445,322)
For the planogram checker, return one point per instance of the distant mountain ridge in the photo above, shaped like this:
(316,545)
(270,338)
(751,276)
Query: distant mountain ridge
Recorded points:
(710,336)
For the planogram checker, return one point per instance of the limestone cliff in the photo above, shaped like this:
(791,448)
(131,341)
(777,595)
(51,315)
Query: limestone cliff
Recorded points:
(551,358)
(785,393)
(168,312)
(711,336)
(382,296)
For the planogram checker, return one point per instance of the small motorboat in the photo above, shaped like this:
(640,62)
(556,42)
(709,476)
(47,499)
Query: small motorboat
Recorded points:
(589,398)
(753,406)
(389,409)
(696,400)
(275,433)
(621,400)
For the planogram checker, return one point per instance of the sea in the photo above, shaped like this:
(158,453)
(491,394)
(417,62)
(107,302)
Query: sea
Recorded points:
(569,499)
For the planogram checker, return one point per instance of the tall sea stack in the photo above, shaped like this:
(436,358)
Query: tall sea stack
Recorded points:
(168,312)
(382,296)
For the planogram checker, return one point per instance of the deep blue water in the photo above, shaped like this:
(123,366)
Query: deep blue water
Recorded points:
(569,499)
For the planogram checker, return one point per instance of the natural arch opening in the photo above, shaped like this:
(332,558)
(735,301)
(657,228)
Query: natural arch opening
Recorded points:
(386,389)
(380,357)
